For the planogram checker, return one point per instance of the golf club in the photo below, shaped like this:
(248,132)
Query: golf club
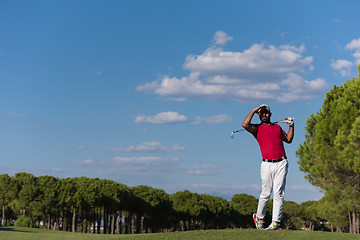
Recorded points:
(232,133)
(285,120)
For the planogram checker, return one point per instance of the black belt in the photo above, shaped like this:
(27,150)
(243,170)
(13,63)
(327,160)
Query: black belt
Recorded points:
(274,160)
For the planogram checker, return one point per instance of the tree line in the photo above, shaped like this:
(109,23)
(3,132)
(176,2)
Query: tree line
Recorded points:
(93,205)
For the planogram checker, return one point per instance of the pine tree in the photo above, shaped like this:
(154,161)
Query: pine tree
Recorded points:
(329,155)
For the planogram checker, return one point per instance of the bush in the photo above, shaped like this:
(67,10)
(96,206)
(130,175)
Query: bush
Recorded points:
(295,223)
(22,221)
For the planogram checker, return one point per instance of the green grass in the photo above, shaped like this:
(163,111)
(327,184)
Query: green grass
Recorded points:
(16,233)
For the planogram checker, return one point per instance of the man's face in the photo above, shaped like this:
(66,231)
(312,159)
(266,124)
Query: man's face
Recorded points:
(264,116)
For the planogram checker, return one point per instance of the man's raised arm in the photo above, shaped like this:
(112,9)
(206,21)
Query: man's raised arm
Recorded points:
(247,121)
(288,137)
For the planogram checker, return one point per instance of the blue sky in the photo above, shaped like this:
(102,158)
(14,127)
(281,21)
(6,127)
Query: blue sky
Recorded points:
(148,92)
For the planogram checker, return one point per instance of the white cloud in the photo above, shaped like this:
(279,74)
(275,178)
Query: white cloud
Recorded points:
(171,117)
(162,118)
(181,89)
(288,47)
(82,147)
(339,64)
(299,88)
(253,64)
(343,66)
(18,115)
(87,162)
(221,118)
(257,73)
(221,38)
(355,45)
(149,147)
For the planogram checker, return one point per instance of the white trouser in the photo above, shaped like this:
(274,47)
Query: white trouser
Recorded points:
(273,177)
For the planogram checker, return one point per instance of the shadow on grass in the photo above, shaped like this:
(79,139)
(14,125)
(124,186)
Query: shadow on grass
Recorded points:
(12,229)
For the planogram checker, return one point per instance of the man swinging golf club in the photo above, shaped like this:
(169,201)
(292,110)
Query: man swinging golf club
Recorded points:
(274,165)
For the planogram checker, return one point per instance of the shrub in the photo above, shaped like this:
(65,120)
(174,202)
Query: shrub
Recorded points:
(22,221)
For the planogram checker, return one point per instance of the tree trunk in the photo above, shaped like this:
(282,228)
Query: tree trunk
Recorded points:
(142,224)
(73,221)
(120,223)
(94,225)
(64,221)
(98,220)
(86,225)
(126,225)
(3,216)
(49,222)
(112,223)
(89,224)
(105,221)
(117,229)
(182,225)
(57,220)
(353,220)
(31,221)
(132,224)
(81,216)
(350,225)
(108,229)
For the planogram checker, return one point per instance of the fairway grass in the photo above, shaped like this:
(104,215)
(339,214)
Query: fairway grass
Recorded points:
(15,233)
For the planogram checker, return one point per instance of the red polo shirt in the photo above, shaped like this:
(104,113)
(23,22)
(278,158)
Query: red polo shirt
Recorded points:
(270,142)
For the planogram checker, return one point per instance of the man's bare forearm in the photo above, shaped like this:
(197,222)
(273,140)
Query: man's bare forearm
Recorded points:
(247,121)
(290,135)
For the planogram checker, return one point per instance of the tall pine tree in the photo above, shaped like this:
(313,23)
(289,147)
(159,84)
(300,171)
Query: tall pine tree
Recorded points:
(329,155)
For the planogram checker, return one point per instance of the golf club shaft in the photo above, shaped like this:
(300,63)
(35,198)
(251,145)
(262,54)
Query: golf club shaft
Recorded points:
(245,129)
(232,133)
(239,130)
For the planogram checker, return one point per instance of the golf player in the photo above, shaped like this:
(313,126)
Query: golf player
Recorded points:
(274,164)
